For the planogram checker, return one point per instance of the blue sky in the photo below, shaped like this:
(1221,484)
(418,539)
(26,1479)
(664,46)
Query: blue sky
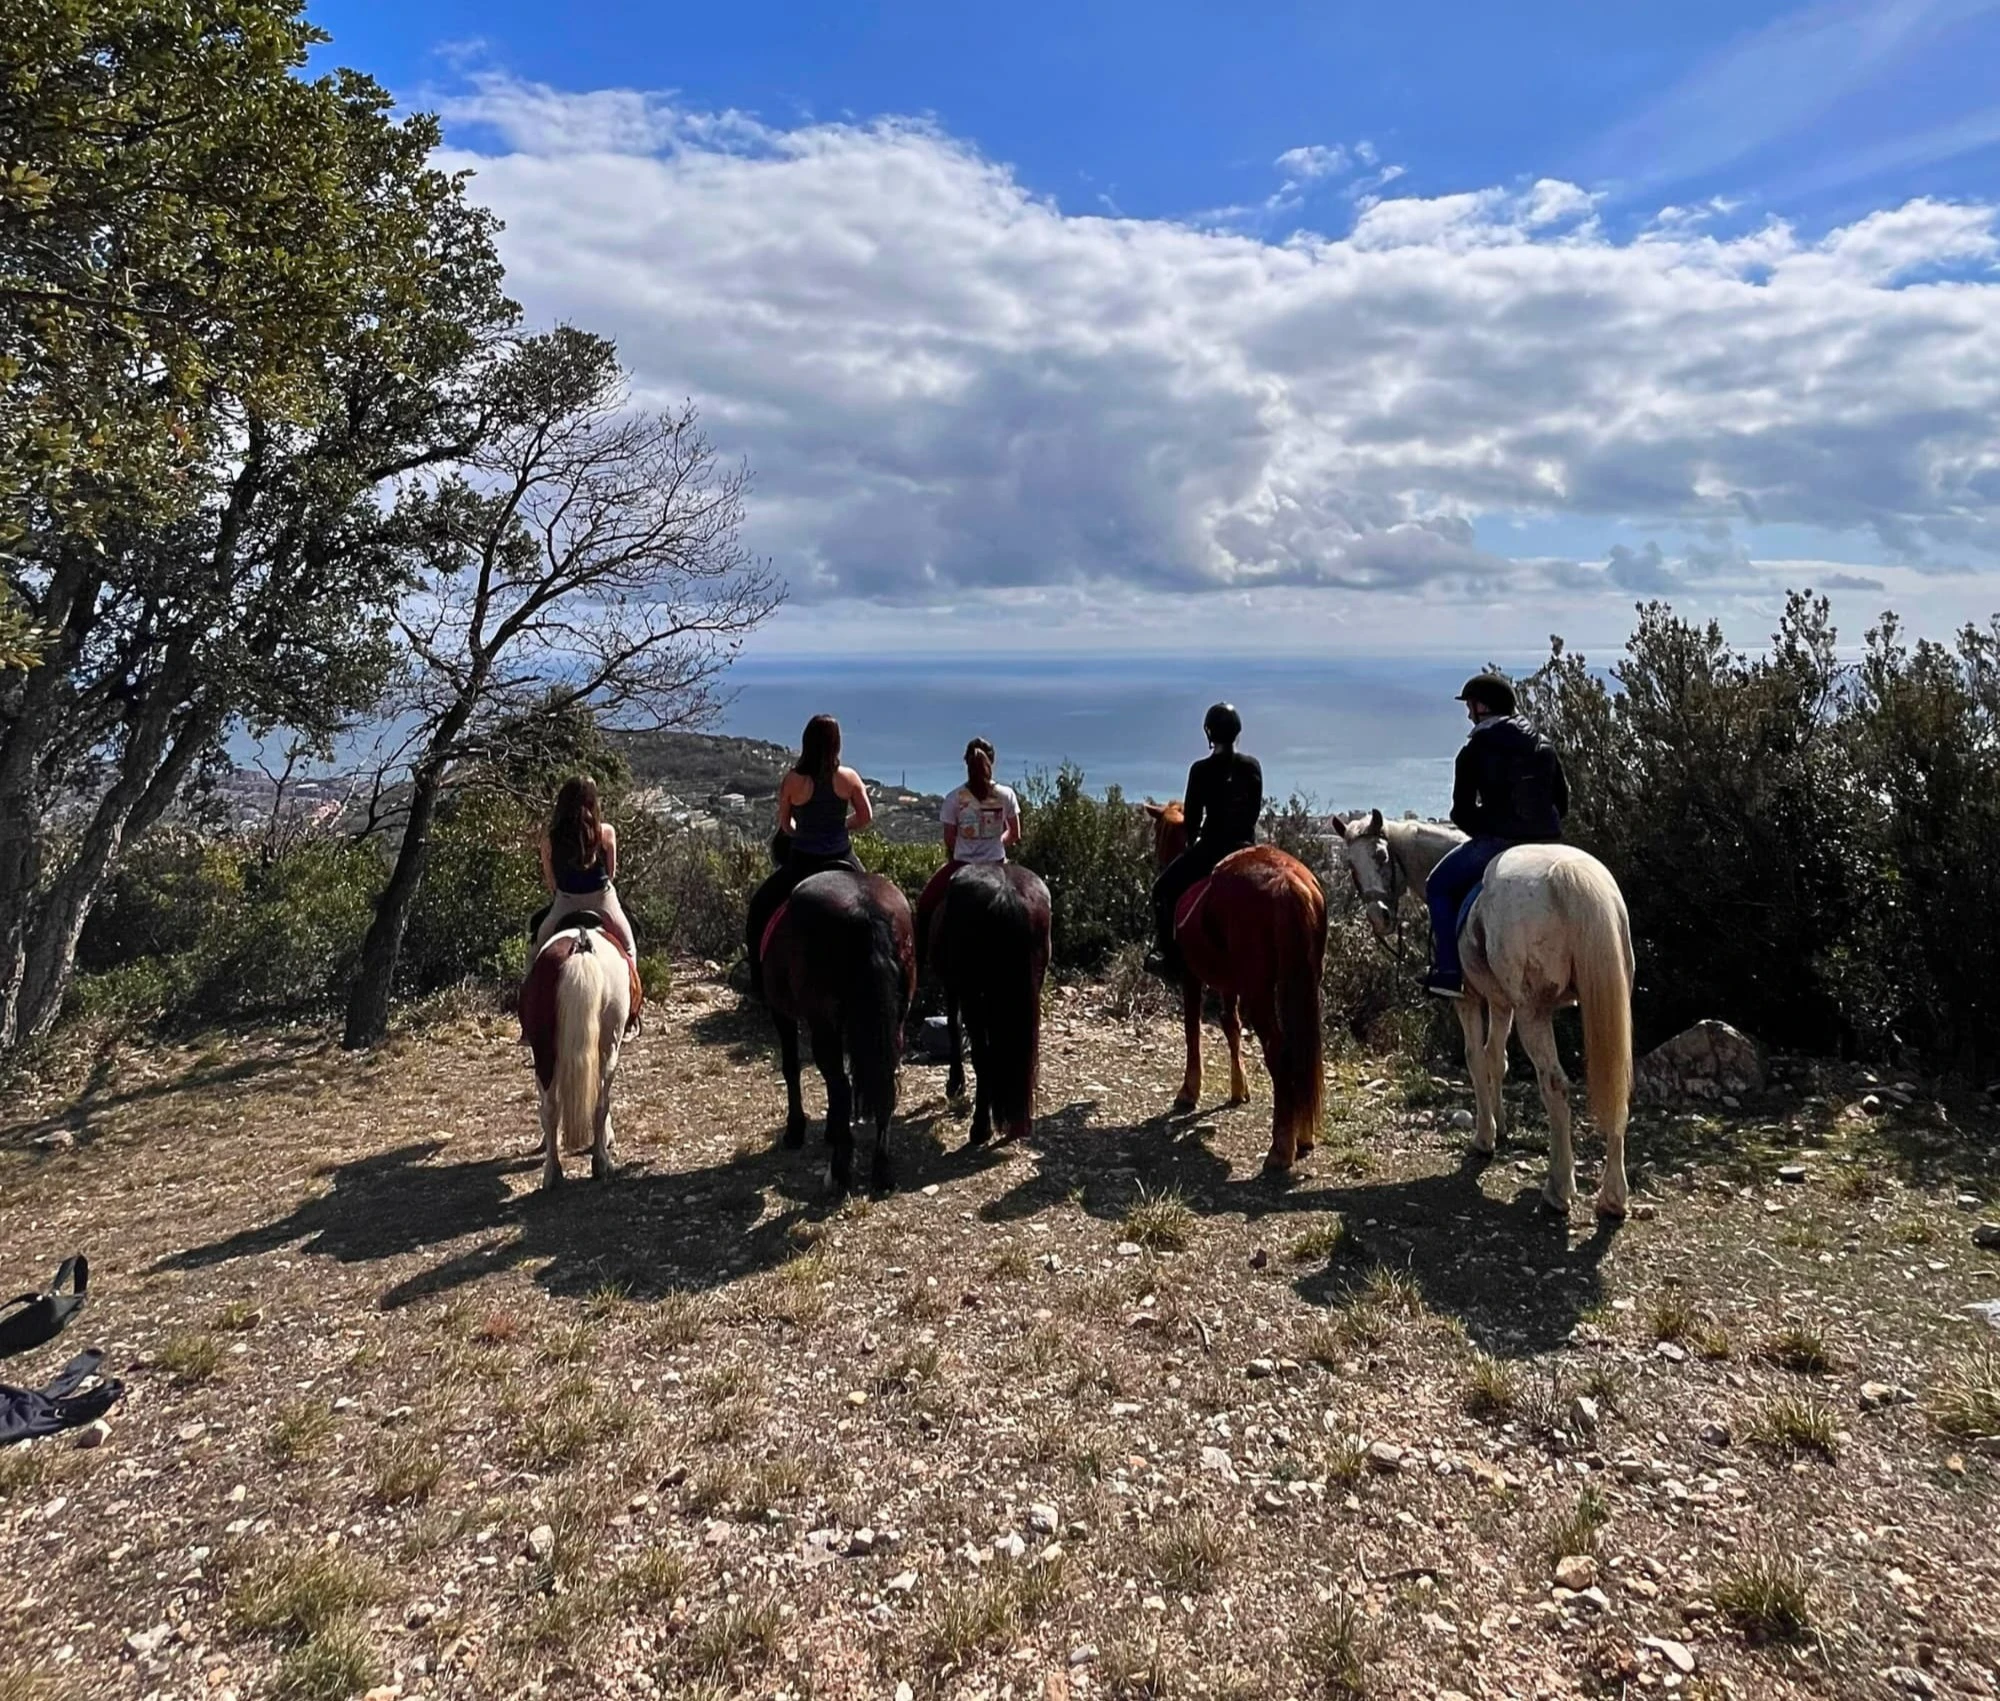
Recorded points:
(1314,325)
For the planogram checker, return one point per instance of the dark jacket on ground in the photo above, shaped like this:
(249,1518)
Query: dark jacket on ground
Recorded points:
(1509,784)
(1225,798)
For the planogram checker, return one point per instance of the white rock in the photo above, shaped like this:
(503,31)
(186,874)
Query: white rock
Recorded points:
(1043,1519)
(147,1643)
(1672,1352)
(1011,1546)
(903,1583)
(541,1544)
(1576,1571)
(1385,1456)
(905,1693)
(1461,1120)
(1583,1415)
(1128,1249)
(95,1435)
(1988,1236)
(1084,1655)
(1674,1653)
(1218,1462)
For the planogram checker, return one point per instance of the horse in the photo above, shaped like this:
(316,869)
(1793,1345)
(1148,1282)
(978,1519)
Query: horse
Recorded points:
(840,956)
(1255,930)
(989,940)
(1546,928)
(574,1006)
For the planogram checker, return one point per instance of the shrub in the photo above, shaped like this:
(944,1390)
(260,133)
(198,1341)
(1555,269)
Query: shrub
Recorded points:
(1097,856)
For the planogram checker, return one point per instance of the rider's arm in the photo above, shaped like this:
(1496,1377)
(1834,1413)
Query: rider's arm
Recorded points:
(1012,836)
(785,804)
(1465,791)
(1256,795)
(1194,806)
(1559,784)
(857,794)
(948,816)
(607,839)
(548,866)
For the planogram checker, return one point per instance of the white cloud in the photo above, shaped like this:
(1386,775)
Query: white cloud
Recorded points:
(950,389)
(1308,164)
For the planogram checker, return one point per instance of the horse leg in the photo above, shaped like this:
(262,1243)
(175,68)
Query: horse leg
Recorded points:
(795,1104)
(551,1143)
(982,1106)
(1472,1017)
(1190,1094)
(1232,1030)
(831,1061)
(954,1081)
(1538,1038)
(602,1165)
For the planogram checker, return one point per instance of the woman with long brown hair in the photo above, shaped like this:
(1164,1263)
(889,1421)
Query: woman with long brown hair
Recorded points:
(820,803)
(579,863)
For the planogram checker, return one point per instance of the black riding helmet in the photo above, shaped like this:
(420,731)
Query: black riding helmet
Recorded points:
(1489,691)
(1222,723)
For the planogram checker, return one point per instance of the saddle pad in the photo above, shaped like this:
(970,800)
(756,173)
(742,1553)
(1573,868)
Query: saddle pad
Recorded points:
(1190,902)
(771,927)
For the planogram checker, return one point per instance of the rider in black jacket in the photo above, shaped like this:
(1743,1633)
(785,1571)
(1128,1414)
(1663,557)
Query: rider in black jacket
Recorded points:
(1224,800)
(1508,788)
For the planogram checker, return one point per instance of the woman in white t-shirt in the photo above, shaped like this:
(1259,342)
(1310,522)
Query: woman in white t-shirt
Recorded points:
(980,821)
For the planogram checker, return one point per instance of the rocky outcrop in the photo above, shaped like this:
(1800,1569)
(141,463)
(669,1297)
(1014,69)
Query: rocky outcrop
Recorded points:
(1705,1064)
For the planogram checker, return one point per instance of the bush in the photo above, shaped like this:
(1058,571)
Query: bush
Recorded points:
(1805,845)
(1096,854)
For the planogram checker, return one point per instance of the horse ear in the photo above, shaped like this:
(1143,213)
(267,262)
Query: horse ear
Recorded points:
(1375,825)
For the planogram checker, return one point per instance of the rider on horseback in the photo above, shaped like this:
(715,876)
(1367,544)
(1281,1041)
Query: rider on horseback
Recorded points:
(819,804)
(1225,797)
(1508,788)
(980,820)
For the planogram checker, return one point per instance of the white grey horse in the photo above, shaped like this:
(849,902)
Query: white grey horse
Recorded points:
(1548,928)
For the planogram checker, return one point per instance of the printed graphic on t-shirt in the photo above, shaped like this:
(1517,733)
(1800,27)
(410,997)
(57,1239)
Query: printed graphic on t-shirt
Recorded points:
(981,822)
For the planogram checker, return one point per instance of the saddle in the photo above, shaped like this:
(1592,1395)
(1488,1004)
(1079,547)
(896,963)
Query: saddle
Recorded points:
(595,921)
(1191,901)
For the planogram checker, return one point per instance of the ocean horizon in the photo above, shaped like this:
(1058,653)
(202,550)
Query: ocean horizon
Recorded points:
(1345,733)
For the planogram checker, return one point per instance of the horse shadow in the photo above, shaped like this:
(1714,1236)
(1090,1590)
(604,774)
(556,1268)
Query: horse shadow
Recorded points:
(1505,1268)
(648,1232)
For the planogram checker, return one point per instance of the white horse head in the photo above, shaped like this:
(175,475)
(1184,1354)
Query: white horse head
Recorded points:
(1364,847)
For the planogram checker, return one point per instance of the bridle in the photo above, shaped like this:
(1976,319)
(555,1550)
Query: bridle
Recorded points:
(1392,899)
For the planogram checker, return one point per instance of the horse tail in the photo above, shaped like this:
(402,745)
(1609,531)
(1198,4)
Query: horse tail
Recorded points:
(1601,959)
(872,1014)
(1002,994)
(579,1040)
(1299,1075)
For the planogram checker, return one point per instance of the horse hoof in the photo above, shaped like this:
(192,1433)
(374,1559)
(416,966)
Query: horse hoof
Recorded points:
(1614,1208)
(795,1135)
(977,1136)
(1276,1163)
(603,1171)
(551,1180)
(1183,1105)
(1554,1204)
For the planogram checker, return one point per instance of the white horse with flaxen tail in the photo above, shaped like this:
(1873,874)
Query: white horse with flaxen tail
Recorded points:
(1547,928)
(573,1009)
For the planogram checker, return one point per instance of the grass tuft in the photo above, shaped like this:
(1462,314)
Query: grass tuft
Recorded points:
(405,1471)
(191,1359)
(1966,1400)
(1323,1240)
(1578,1529)
(1492,1390)
(300,1431)
(1160,1221)
(1189,1550)
(1797,1346)
(1767,1597)
(333,1664)
(299,1595)
(741,1636)
(1792,1423)
(1333,1648)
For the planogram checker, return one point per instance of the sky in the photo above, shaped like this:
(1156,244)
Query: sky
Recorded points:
(1100,327)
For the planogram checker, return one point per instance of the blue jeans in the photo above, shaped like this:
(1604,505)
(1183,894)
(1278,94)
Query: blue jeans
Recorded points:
(1449,885)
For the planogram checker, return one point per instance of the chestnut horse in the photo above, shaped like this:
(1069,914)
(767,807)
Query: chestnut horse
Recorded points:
(840,956)
(1257,934)
(990,944)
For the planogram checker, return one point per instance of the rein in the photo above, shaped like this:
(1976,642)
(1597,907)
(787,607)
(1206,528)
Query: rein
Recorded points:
(1395,905)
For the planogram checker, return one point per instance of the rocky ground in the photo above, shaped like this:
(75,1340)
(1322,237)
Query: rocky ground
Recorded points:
(1107,1414)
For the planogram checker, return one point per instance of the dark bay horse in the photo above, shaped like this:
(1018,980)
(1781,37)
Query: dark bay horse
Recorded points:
(840,957)
(990,944)
(1255,931)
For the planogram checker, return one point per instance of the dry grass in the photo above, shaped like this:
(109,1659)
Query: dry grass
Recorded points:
(300,1431)
(1797,1346)
(1492,1390)
(1188,1550)
(1965,1402)
(739,1637)
(297,1595)
(1333,1647)
(1576,1530)
(405,1470)
(1160,1221)
(1766,1595)
(191,1359)
(1793,1423)
(333,1664)
(1325,1239)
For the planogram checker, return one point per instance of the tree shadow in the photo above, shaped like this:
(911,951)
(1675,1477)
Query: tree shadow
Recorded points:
(83,1118)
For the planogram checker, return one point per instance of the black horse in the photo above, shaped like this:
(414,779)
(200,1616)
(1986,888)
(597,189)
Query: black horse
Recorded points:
(990,944)
(841,958)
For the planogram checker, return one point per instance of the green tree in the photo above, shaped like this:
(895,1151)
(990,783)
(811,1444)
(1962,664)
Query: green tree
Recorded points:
(233,305)
(585,556)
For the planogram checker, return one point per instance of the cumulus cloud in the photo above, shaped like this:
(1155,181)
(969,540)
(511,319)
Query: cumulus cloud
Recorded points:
(947,386)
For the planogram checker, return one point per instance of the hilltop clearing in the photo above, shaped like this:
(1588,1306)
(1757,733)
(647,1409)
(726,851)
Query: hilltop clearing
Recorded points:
(1105,1414)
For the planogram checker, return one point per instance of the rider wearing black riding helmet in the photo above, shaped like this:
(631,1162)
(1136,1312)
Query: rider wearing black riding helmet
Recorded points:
(1224,798)
(1508,788)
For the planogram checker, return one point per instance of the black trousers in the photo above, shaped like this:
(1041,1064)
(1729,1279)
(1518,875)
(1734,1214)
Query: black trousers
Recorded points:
(1197,861)
(765,902)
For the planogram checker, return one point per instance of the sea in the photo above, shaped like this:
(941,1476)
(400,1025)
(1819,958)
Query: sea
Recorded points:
(1346,733)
